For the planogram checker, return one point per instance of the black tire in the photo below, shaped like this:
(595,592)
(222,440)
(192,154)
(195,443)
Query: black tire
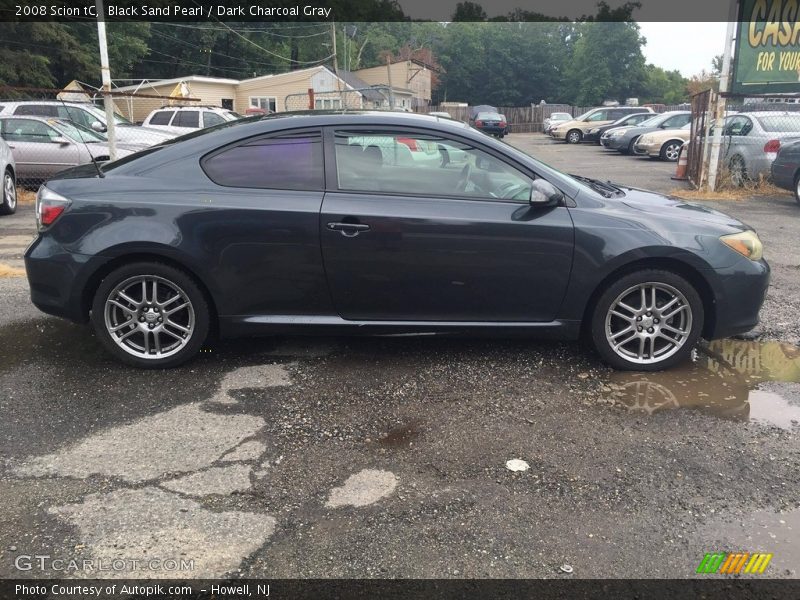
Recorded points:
(574,136)
(602,321)
(8,205)
(670,151)
(178,278)
(629,149)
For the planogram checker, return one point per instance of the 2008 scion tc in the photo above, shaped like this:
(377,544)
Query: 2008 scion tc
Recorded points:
(381,223)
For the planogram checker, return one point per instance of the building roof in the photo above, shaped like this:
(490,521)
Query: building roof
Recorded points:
(176,80)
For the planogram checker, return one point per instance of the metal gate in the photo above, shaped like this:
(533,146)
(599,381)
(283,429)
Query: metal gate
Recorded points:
(700,106)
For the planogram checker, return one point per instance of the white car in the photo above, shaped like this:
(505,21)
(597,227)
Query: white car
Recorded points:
(554,119)
(8,205)
(185,119)
(87,115)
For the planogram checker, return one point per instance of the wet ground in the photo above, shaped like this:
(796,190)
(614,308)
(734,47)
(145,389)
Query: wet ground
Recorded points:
(337,457)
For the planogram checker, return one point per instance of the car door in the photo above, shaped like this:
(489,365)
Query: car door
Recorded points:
(37,154)
(410,239)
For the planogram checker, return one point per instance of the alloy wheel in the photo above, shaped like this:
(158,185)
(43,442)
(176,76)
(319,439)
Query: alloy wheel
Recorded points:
(648,323)
(672,151)
(9,191)
(149,317)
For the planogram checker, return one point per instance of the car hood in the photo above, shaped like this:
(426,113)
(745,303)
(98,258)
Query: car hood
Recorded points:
(670,206)
(145,136)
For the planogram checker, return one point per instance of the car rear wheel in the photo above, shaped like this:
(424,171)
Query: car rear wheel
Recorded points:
(671,150)
(647,321)
(150,315)
(574,136)
(738,171)
(9,204)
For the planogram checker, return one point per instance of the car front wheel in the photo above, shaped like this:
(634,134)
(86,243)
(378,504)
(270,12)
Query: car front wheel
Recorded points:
(150,315)
(671,151)
(9,201)
(574,137)
(647,321)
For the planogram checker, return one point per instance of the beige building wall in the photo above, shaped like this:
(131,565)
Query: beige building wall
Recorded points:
(405,74)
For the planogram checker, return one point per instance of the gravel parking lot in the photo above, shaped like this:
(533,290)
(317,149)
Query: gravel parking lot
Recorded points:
(386,457)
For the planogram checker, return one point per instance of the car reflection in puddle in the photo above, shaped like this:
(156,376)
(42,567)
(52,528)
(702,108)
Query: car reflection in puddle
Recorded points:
(733,379)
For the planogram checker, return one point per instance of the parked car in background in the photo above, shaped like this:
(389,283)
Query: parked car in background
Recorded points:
(43,146)
(8,202)
(89,116)
(664,143)
(363,246)
(786,168)
(185,119)
(593,135)
(624,138)
(474,111)
(491,123)
(751,142)
(573,131)
(554,119)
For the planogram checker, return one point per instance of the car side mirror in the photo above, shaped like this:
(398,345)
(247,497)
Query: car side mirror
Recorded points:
(544,193)
(61,140)
(99,127)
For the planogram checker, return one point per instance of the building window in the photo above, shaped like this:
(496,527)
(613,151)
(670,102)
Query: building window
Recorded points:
(268,103)
(327,103)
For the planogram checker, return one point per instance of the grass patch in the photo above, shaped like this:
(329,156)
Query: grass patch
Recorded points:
(726,190)
(9,271)
(25,196)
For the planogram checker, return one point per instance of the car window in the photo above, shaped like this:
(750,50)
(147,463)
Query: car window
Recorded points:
(773,123)
(162,117)
(637,118)
(28,130)
(287,162)
(76,131)
(422,165)
(39,110)
(736,126)
(187,118)
(676,121)
(81,117)
(601,115)
(210,119)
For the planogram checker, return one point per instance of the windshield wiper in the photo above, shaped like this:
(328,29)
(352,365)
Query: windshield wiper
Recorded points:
(606,189)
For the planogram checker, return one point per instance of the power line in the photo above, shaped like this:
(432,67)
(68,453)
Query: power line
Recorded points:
(256,29)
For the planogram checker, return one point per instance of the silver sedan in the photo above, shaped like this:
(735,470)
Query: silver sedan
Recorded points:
(750,142)
(44,146)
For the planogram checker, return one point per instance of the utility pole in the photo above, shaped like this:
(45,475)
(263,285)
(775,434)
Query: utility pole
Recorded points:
(389,77)
(105,72)
(724,86)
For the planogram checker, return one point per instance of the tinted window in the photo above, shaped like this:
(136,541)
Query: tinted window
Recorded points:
(41,110)
(676,121)
(772,123)
(290,162)
(162,117)
(81,117)
(187,118)
(601,115)
(638,118)
(210,119)
(419,165)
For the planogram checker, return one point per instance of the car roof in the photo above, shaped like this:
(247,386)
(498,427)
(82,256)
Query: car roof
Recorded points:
(58,102)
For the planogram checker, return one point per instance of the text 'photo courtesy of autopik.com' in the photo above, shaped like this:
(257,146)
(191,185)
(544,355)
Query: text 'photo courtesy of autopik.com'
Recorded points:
(399,299)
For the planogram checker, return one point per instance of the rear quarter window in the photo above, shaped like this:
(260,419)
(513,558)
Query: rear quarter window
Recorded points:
(288,162)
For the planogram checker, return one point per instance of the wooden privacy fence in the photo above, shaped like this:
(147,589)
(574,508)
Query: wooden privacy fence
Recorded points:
(523,119)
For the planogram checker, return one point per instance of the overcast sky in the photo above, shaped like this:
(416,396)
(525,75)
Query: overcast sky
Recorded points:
(687,47)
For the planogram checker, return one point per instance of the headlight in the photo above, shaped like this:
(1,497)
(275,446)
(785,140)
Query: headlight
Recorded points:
(745,243)
(616,134)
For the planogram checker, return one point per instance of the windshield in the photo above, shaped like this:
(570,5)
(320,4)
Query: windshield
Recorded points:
(651,122)
(101,114)
(75,132)
(584,115)
(773,123)
(229,115)
(560,116)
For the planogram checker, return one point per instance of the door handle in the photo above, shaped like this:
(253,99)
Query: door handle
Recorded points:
(348,229)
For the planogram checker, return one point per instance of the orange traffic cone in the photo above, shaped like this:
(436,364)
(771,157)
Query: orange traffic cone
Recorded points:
(683,164)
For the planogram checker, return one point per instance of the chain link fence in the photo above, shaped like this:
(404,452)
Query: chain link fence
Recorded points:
(50,130)
(369,98)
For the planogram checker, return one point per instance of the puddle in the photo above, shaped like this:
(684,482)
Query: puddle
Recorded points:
(733,379)
(760,531)
(402,436)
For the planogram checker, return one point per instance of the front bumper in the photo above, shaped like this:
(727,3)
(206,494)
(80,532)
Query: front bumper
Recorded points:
(739,292)
(591,137)
(647,149)
(616,143)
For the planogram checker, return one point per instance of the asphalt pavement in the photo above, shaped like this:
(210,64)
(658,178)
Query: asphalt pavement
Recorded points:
(386,457)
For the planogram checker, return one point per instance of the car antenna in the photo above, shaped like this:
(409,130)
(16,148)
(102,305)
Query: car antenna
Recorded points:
(85,145)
